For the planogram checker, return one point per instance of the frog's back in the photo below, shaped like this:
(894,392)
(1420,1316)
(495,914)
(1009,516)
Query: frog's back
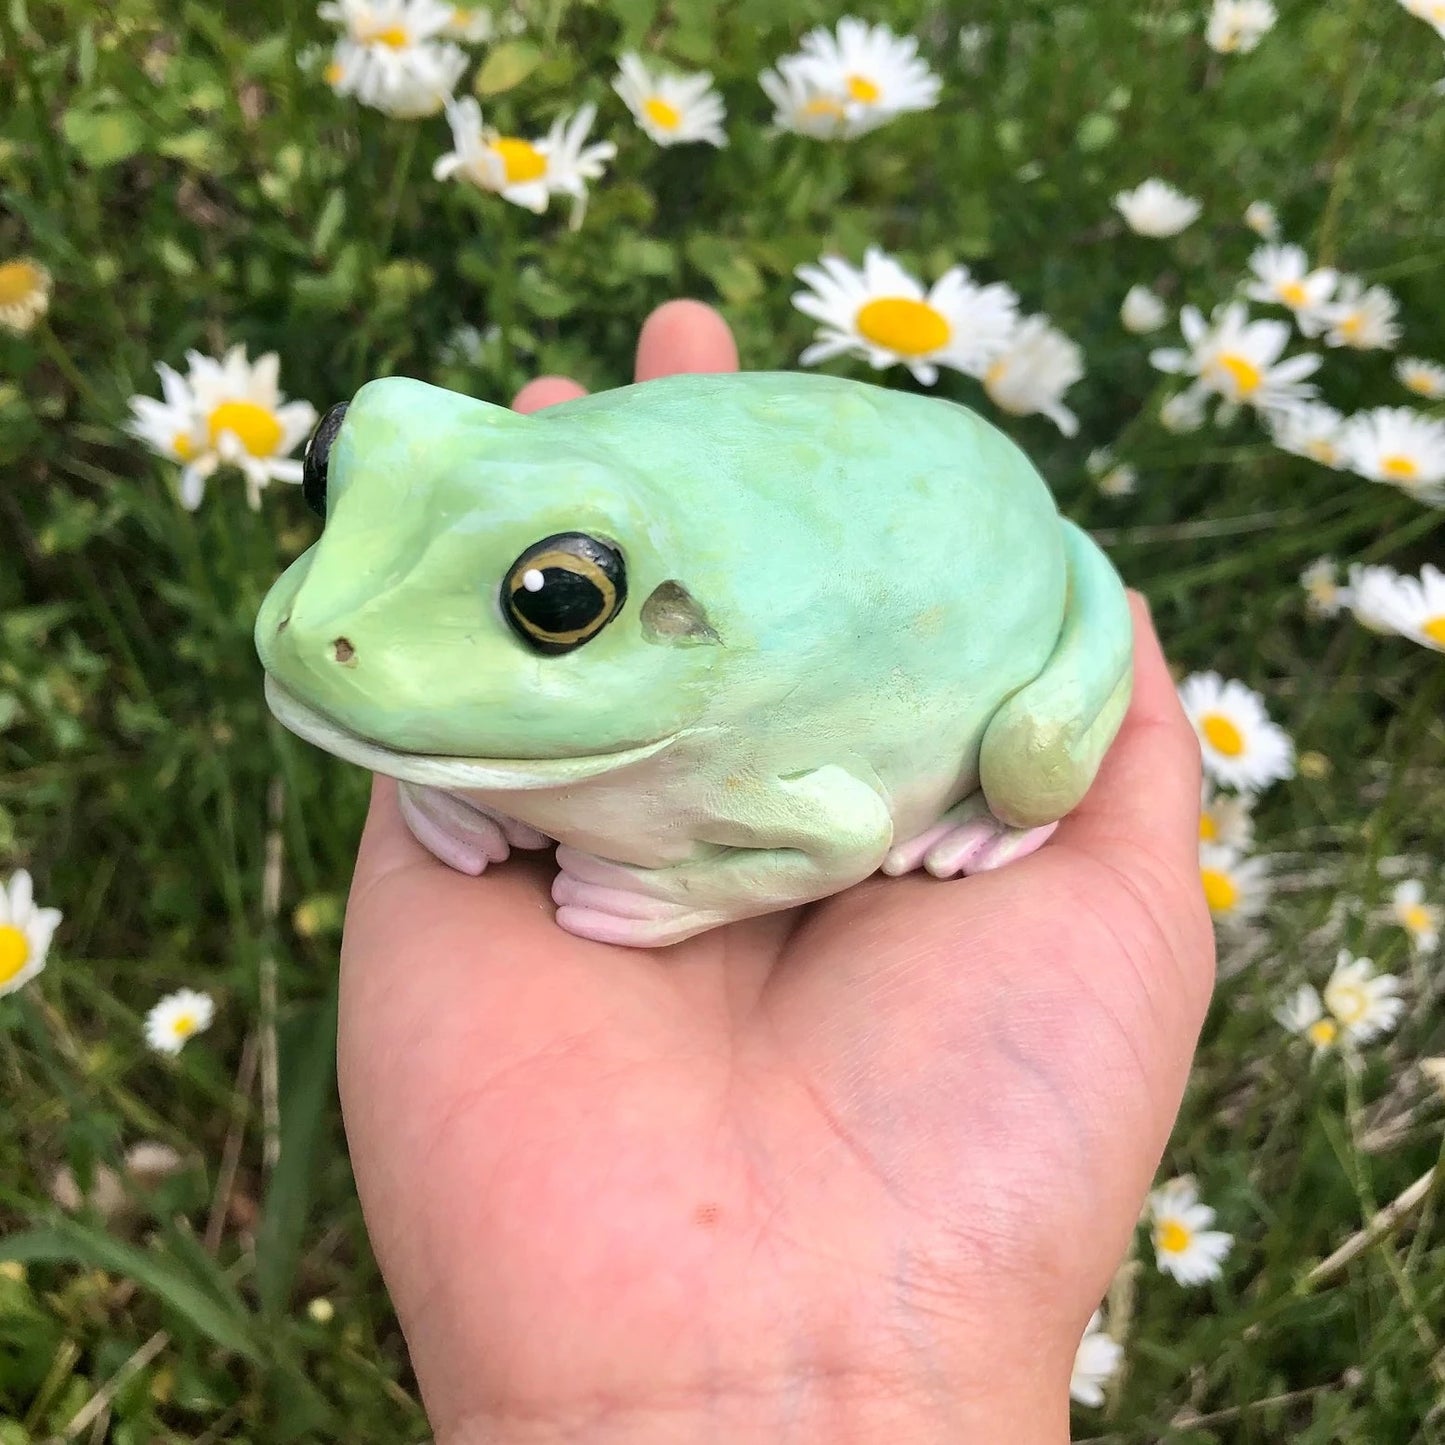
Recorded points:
(805,502)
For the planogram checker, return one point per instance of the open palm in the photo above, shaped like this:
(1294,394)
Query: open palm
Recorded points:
(855,1171)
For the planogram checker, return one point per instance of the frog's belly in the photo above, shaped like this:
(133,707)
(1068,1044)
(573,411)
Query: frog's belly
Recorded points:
(662,811)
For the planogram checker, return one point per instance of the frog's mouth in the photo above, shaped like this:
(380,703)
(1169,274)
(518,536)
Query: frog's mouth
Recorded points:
(437,771)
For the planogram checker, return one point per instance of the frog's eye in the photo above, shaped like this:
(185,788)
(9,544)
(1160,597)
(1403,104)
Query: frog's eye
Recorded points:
(318,456)
(563,590)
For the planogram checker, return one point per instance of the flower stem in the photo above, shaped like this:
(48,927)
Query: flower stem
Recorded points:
(504,275)
(50,344)
(399,178)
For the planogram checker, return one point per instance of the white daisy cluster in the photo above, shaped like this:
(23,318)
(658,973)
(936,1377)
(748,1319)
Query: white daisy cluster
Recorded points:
(24,294)
(884,315)
(1235,27)
(177,1019)
(1095,1361)
(224,413)
(671,109)
(1179,1226)
(845,82)
(1381,599)
(1356,1006)
(1242,750)
(393,55)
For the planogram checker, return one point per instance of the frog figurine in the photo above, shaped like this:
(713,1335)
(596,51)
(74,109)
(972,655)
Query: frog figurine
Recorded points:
(735,642)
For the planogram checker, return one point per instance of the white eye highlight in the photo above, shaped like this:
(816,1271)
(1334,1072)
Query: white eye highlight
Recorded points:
(533,580)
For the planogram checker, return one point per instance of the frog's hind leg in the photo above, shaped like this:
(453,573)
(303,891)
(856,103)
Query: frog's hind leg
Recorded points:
(967,839)
(463,834)
(789,842)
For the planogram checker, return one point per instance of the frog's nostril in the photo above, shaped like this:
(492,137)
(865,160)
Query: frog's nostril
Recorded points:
(343,652)
(283,624)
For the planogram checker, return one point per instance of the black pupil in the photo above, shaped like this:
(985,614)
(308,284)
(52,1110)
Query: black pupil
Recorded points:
(565,602)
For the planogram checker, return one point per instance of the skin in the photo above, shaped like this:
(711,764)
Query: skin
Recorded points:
(853,1172)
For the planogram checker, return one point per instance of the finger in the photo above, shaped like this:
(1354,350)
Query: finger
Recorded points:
(547,391)
(684,336)
(1147,792)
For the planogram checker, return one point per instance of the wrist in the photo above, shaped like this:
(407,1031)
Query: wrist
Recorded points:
(816,1413)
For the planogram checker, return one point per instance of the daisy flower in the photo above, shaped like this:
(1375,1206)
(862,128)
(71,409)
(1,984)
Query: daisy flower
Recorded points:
(476,25)
(1236,888)
(1121,480)
(1236,26)
(1414,607)
(1095,1361)
(25,933)
(1364,1003)
(671,109)
(406,85)
(1035,370)
(24,294)
(1225,819)
(224,413)
(1303,1013)
(177,1018)
(1419,919)
(1400,447)
(1183,412)
(1432,12)
(874,74)
(1143,311)
(1358,317)
(1155,208)
(1310,429)
(1424,378)
(527,173)
(1239,359)
(882,314)
(391,24)
(1282,277)
(1260,217)
(1324,595)
(800,105)
(1242,747)
(1184,1244)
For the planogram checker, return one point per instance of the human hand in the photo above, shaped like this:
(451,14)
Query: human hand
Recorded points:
(858,1171)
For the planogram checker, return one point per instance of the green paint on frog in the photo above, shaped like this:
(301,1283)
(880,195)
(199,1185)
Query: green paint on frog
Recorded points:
(784,630)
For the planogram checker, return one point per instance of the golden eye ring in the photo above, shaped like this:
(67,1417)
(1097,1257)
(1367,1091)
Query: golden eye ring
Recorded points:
(563,590)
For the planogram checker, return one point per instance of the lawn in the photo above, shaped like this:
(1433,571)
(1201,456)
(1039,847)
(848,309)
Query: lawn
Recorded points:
(189,179)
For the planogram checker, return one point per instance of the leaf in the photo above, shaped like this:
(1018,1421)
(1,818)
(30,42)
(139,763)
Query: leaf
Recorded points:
(308,1073)
(68,1241)
(103,137)
(508,65)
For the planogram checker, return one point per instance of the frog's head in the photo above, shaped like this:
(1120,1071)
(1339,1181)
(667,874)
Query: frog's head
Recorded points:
(489,604)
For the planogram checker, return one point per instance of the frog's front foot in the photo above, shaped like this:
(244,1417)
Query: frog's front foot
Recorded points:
(615,903)
(463,834)
(967,839)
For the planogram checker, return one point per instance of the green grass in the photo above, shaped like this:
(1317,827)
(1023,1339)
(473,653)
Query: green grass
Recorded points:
(188,186)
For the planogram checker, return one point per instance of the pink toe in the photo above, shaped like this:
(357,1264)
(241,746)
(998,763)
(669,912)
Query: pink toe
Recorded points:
(573,892)
(1010,848)
(468,856)
(956,852)
(908,856)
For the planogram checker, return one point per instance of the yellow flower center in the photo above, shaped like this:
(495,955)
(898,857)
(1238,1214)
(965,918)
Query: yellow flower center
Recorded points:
(1434,628)
(183,446)
(1242,371)
(824,105)
(863,89)
(897,324)
(183,1025)
(253,426)
(1322,1033)
(14,952)
(1208,828)
(1221,734)
(19,281)
(669,117)
(1221,892)
(1347,1001)
(393,36)
(1172,1237)
(521,159)
(1401,466)
(1352,323)
(1323,451)
(1293,293)
(1324,592)
(332,74)
(1416,916)
(1420,382)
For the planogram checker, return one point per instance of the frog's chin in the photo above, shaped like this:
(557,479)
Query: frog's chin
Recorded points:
(437,771)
